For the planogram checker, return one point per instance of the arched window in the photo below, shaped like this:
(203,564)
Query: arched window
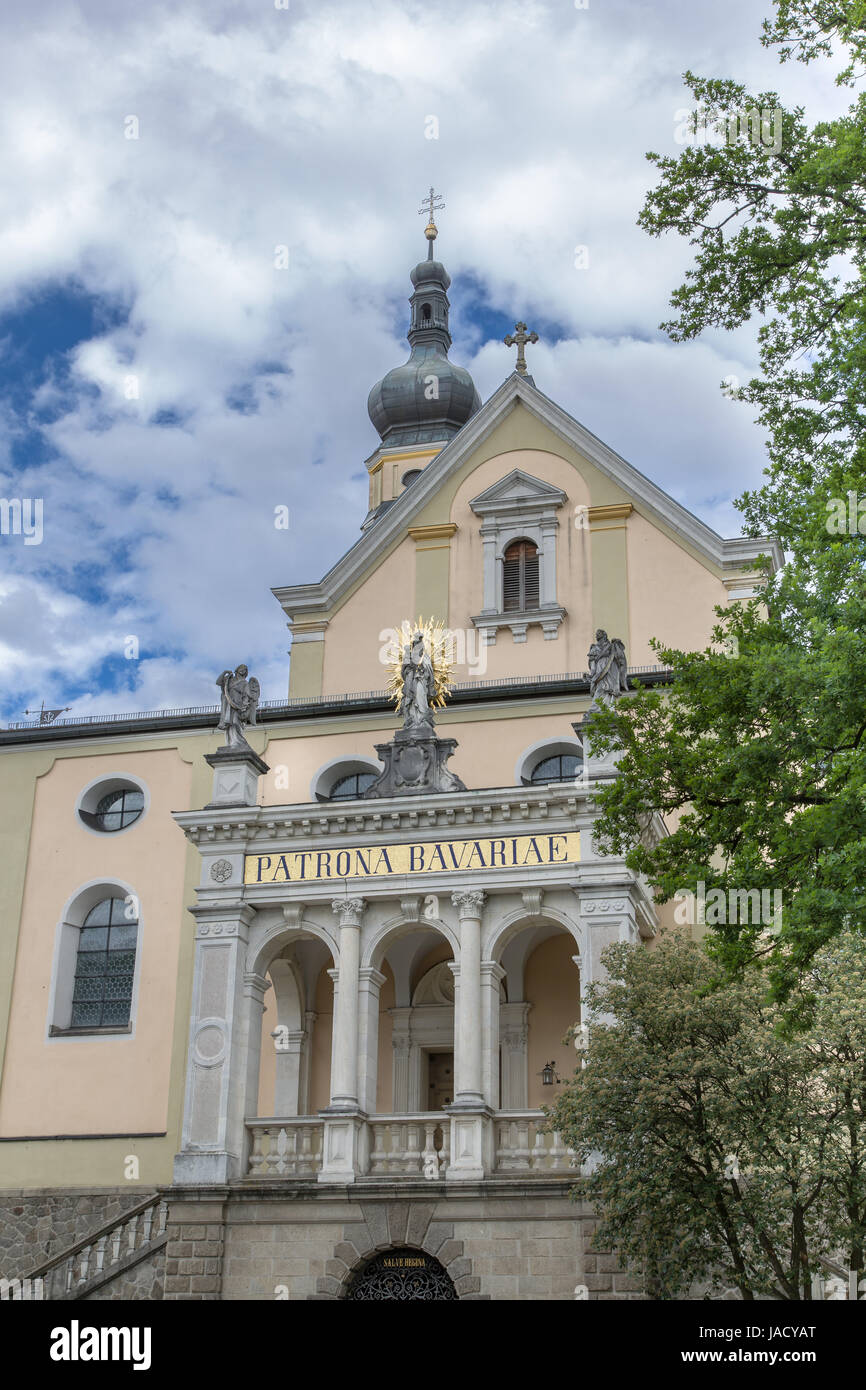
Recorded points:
(105,965)
(562,767)
(426,312)
(351,787)
(520,577)
(344,778)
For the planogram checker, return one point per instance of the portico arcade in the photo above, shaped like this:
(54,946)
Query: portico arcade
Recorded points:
(343,991)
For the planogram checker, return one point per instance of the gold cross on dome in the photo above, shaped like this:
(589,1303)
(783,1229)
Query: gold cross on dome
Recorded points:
(519,338)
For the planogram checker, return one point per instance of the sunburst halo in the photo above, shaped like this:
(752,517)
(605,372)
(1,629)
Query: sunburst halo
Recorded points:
(439,646)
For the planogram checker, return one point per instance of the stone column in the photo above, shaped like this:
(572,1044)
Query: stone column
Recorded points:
(344,1060)
(224,1046)
(547,575)
(488,542)
(345,1153)
(513,1021)
(401,1043)
(467,1004)
(471,1118)
(306,1063)
(289,1045)
(370,983)
(491,977)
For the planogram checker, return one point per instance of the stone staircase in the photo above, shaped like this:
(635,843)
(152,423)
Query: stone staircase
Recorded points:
(102,1264)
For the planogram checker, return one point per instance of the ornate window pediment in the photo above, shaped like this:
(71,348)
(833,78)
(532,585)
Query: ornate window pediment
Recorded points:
(517,510)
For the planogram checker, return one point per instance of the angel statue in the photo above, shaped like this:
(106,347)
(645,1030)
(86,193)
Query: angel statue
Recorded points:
(608,669)
(240,700)
(419,684)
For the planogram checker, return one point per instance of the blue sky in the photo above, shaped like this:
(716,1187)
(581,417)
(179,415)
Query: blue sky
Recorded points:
(163,386)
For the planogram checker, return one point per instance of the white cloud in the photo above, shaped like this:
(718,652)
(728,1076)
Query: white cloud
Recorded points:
(259,128)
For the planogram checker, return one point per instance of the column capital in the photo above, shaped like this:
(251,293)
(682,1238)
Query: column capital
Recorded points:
(256,985)
(371,977)
(469,902)
(492,970)
(349,910)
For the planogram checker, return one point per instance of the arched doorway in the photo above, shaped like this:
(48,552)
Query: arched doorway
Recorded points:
(404,1275)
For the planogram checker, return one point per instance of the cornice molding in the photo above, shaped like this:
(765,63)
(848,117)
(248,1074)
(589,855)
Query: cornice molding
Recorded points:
(444,531)
(616,511)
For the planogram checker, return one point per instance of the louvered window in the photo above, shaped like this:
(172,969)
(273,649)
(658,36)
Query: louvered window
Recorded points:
(520,577)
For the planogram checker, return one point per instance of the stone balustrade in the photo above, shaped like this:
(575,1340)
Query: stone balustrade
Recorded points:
(409,1146)
(412,1145)
(523,1144)
(103,1254)
(285,1148)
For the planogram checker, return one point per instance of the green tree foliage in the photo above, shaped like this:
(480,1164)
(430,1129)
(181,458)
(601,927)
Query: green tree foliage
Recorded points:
(757,758)
(726,1151)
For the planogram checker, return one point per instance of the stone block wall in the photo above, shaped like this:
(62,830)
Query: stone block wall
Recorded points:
(36,1224)
(501,1241)
(195,1249)
(142,1283)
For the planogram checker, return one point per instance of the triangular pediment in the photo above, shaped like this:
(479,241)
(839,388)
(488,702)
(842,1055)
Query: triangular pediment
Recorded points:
(517,490)
(519,393)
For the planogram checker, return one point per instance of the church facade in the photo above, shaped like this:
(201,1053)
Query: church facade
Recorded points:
(282,1004)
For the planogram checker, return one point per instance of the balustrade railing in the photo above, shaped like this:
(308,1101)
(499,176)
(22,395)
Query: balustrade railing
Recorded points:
(69,1274)
(285,1148)
(413,1145)
(524,1145)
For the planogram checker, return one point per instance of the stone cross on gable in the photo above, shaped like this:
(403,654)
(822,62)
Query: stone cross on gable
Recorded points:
(519,338)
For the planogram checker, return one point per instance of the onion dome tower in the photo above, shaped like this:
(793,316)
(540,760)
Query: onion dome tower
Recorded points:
(428,398)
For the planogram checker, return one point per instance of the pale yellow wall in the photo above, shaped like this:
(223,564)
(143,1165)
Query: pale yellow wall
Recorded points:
(117,1084)
(489,744)
(552,987)
(671,594)
(535,656)
(352,643)
(634,577)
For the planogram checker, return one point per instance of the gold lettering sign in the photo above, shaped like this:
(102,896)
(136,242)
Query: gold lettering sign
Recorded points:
(429,857)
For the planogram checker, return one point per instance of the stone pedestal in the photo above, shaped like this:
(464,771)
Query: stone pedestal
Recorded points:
(414,764)
(236,773)
(345,1153)
(222,1080)
(598,767)
(472,1144)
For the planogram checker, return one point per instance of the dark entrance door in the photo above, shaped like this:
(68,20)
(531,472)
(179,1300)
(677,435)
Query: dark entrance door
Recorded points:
(404,1275)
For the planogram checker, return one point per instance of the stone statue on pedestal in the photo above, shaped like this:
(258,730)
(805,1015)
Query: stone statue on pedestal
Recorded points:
(608,668)
(419,685)
(240,700)
(414,760)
